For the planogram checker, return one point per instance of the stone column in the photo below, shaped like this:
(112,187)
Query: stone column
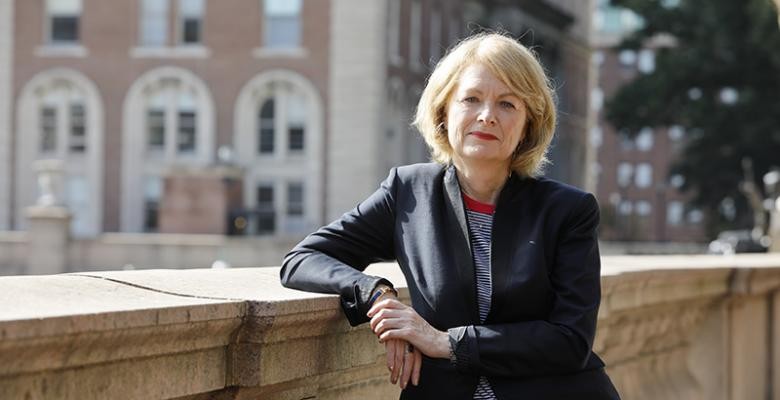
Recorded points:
(774,225)
(6,63)
(49,222)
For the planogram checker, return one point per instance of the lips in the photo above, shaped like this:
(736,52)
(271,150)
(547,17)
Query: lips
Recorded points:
(483,135)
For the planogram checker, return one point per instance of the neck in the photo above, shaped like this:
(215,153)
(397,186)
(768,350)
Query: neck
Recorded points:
(482,182)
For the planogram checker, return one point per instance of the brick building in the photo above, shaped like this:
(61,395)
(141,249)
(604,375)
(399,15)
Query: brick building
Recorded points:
(639,197)
(310,99)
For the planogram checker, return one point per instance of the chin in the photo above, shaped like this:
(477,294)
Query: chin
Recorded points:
(481,154)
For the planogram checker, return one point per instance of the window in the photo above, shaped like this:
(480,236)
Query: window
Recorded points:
(646,61)
(296,121)
(434,51)
(695,216)
(172,120)
(625,207)
(624,173)
(295,199)
(282,23)
(64,18)
(643,208)
(77,198)
(677,181)
(676,132)
(154,22)
(265,128)
(48,129)
(627,57)
(186,124)
(62,122)
(155,123)
(266,216)
(153,188)
(190,21)
(596,136)
(644,175)
(77,141)
(282,120)
(644,140)
(674,213)
(626,141)
(415,37)
(596,99)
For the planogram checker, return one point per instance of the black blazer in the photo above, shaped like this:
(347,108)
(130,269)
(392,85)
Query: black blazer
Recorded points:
(536,341)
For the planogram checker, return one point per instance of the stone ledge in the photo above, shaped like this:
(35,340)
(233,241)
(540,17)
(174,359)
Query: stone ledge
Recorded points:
(237,333)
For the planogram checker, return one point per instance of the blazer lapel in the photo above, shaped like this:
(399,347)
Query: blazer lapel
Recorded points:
(506,221)
(457,233)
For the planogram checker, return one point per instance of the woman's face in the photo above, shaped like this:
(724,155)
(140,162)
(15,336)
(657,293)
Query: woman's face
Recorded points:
(485,120)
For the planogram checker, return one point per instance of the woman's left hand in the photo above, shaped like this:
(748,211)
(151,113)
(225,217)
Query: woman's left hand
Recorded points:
(391,319)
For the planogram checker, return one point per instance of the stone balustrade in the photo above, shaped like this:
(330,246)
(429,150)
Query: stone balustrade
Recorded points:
(670,327)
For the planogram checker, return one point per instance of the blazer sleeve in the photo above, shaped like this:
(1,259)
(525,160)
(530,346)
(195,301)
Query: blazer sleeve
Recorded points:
(332,259)
(561,343)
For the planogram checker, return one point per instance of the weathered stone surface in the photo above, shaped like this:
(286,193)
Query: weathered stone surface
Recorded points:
(669,328)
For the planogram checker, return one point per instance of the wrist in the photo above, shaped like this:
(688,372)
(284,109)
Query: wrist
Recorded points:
(443,348)
(380,293)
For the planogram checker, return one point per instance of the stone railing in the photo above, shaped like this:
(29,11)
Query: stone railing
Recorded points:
(685,327)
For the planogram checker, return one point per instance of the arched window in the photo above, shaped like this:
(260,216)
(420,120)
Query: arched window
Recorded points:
(174,111)
(279,141)
(60,116)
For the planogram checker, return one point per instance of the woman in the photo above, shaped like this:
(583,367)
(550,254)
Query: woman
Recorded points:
(502,266)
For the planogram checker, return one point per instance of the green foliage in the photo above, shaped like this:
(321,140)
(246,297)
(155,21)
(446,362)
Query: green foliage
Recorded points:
(718,44)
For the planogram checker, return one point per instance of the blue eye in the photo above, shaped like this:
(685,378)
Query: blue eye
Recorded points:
(471,99)
(507,104)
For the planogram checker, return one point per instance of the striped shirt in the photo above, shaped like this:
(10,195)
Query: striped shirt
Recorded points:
(480,220)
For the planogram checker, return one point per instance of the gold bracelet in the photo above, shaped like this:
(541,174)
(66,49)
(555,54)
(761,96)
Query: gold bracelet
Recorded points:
(380,291)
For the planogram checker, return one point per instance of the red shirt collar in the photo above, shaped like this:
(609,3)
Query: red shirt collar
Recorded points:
(477,206)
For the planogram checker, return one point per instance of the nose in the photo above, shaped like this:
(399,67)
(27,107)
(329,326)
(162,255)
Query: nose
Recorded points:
(486,115)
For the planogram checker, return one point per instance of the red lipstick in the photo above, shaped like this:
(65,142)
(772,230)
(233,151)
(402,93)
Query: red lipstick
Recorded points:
(484,136)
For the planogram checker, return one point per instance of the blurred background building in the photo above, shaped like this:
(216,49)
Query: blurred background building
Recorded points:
(638,195)
(258,118)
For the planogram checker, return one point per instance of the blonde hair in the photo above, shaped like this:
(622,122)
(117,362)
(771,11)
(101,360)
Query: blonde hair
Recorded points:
(518,68)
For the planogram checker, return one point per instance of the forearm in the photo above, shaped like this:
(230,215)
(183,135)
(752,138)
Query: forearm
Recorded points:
(520,349)
(317,272)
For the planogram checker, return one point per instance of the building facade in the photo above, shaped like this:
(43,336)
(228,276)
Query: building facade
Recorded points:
(312,100)
(640,198)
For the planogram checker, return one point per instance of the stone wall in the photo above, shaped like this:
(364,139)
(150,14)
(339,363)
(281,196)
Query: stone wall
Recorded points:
(116,251)
(673,327)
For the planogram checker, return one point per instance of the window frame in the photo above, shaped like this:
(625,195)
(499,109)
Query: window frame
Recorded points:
(48,26)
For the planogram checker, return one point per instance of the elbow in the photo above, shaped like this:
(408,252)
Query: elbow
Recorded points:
(580,353)
(286,271)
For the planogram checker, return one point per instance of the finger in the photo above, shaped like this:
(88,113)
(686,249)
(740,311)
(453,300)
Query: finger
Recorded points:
(406,373)
(397,333)
(399,360)
(390,346)
(416,368)
(382,314)
(390,323)
(387,303)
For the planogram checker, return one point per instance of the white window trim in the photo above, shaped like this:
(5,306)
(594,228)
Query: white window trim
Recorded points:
(288,52)
(172,52)
(62,50)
